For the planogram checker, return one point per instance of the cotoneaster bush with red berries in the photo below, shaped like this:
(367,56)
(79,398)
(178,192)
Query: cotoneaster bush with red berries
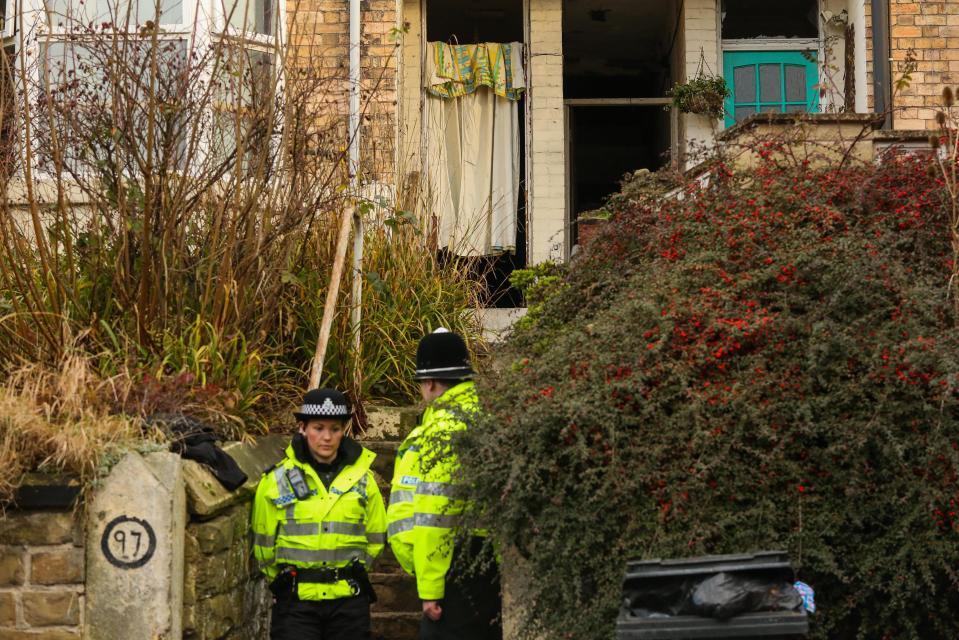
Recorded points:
(766,362)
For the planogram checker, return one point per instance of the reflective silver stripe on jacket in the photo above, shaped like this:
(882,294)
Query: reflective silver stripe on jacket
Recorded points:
(320,555)
(435,520)
(442,489)
(359,487)
(376,538)
(406,524)
(299,528)
(345,528)
(262,540)
(397,497)
(286,495)
(316,528)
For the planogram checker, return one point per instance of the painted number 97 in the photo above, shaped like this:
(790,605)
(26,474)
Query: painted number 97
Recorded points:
(128,543)
(121,538)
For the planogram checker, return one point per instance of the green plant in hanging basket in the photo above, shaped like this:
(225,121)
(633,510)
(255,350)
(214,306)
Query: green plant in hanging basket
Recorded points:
(703,95)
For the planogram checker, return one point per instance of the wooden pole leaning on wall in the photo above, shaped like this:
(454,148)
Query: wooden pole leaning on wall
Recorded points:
(329,309)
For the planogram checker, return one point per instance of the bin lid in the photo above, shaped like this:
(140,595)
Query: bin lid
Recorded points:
(759,561)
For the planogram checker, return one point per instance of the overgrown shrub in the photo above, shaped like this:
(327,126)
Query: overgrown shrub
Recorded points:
(65,420)
(768,361)
(171,214)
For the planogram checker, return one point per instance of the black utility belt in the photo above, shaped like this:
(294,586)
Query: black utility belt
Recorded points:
(326,575)
(284,585)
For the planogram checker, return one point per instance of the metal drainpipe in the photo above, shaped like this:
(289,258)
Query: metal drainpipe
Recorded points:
(356,310)
(882,74)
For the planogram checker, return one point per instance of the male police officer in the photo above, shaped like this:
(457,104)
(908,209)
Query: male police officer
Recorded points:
(318,523)
(424,507)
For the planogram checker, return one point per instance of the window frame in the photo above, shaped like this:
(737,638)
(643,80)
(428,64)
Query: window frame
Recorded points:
(773,45)
(202,28)
(738,59)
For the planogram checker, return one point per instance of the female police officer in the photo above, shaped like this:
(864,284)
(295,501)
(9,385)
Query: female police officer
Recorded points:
(318,523)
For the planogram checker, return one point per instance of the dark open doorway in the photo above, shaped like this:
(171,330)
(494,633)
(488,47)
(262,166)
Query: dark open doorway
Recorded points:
(608,142)
(617,68)
(472,22)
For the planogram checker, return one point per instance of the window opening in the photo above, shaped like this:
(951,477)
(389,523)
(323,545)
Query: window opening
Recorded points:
(617,48)
(474,21)
(773,77)
(743,19)
(91,44)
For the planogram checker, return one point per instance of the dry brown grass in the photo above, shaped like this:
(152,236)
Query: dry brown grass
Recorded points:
(60,420)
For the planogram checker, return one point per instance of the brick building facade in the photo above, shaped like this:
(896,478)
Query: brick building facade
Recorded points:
(930,30)
(679,39)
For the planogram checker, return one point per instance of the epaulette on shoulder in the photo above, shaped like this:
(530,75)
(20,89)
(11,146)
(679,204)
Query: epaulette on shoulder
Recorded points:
(272,467)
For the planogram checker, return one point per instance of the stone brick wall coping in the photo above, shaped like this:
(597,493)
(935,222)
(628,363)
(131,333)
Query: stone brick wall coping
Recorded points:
(785,119)
(206,496)
(903,135)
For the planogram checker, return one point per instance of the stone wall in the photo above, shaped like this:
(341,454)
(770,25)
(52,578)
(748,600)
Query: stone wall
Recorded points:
(57,581)
(42,570)
(223,594)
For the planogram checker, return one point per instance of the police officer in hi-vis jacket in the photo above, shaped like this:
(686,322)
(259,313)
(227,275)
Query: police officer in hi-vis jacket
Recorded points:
(424,509)
(318,523)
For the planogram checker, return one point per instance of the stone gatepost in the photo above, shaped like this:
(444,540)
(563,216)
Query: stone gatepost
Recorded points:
(135,533)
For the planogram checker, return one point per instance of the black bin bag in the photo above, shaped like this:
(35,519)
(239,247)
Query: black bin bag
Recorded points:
(734,596)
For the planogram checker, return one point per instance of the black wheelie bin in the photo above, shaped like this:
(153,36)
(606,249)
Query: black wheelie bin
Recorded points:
(731,596)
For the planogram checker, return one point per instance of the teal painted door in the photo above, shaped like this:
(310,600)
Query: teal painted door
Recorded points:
(770,82)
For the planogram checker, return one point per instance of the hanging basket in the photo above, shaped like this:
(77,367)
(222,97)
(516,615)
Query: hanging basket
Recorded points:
(703,95)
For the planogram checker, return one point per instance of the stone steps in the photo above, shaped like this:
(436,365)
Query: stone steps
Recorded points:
(396,626)
(397,613)
(395,592)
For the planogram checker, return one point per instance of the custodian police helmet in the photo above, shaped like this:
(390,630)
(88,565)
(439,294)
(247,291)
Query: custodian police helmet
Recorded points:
(323,403)
(442,355)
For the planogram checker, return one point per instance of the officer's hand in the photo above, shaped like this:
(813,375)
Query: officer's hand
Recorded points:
(432,610)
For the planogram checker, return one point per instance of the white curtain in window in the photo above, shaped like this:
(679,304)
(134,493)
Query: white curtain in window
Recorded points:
(473,140)
(473,165)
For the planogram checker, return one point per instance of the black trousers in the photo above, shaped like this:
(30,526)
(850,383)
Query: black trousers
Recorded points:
(471,607)
(340,619)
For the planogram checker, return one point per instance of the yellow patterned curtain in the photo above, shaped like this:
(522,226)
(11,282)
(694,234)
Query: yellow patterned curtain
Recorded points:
(458,70)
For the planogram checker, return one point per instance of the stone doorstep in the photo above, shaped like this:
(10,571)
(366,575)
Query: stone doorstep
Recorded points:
(496,324)
(396,626)
(395,592)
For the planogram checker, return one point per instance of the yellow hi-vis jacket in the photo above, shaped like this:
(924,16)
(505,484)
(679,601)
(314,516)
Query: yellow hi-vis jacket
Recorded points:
(329,529)
(423,511)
